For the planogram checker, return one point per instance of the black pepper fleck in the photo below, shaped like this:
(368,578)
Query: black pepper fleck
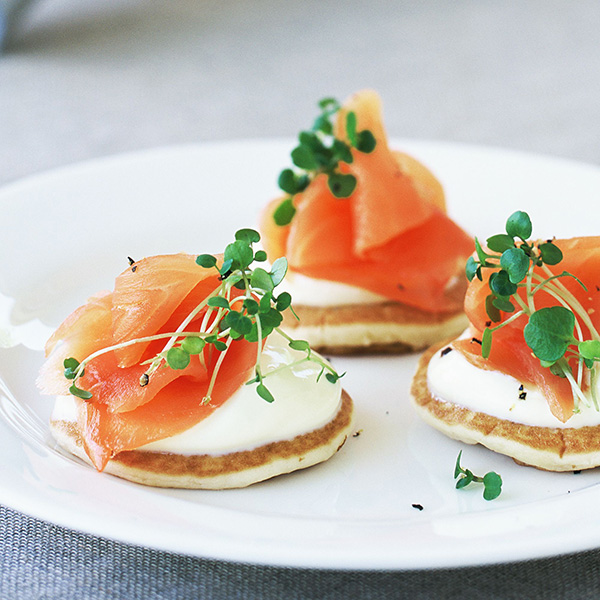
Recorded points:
(476,341)
(445,351)
(357,433)
(418,506)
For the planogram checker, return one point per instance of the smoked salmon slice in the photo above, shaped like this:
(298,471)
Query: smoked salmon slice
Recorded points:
(391,236)
(510,353)
(152,296)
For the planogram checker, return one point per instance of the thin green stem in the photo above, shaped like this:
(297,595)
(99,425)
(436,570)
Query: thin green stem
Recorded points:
(215,372)
(509,320)
(142,340)
(575,304)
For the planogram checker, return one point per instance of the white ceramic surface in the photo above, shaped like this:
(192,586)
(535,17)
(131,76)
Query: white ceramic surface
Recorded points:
(67,233)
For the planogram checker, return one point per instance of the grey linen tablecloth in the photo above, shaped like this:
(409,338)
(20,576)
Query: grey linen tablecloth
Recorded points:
(82,79)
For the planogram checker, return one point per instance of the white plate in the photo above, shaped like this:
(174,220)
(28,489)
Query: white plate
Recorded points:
(66,234)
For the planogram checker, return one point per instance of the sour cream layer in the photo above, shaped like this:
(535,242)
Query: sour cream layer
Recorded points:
(246,421)
(452,378)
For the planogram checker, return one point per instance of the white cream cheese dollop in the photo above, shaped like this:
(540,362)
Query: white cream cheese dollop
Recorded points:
(246,421)
(307,291)
(452,378)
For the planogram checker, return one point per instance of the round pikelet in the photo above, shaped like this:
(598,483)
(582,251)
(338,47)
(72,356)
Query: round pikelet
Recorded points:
(546,448)
(232,470)
(382,328)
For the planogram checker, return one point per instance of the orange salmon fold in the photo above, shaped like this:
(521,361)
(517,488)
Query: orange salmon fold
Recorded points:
(391,236)
(510,353)
(152,296)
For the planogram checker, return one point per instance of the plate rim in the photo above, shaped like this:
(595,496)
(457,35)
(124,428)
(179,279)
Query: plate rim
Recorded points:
(106,162)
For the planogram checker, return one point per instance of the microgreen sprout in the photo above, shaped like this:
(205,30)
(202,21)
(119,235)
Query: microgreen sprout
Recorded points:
(244,305)
(492,482)
(563,336)
(319,151)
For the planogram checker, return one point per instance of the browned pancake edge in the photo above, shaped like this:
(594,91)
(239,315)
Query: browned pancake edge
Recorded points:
(233,470)
(547,448)
(414,329)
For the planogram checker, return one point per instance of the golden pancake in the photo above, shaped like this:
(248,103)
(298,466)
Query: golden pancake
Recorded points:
(387,327)
(233,470)
(547,448)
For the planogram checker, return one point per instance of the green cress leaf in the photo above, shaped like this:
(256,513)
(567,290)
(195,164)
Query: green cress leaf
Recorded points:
(283,301)
(342,151)
(311,141)
(71,365)
(501,284)
(260,256)
(322,123)
(284,213)
(264,393)
(193,344)
(503,304)
(481,254)
(465,480)
(70,373)
(262,280)
(301,345)
(178,358)
(516,263)
(206,260)
(218,302)
(268,322)
(304,158)
(366,142)
(557,369)
(287,181)
(519,225)
(492,482)
(486,343)
(333,377)
(79,393)
(493,312)
(457,468)
(264,305)
(500,242)
(551,254)
(471,268)
(240,254)
(492,485)
(237,322)
(279,270)
(272,318)
(550,332)
(251,306)
(351,128)
(220,346)
(329,104)
(590,349)
(341,185)
(250,236)
(226,266)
